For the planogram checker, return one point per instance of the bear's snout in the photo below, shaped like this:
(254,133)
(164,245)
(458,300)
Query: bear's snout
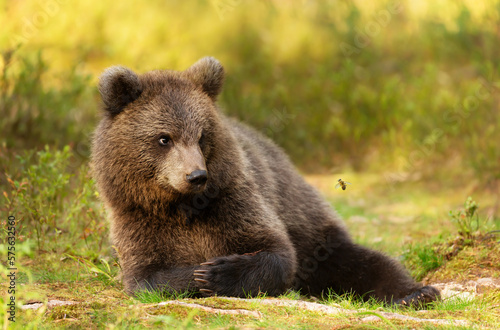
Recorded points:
(197,177)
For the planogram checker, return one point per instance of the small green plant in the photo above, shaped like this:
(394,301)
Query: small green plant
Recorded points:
(421,259)
(291,295)
(156,296)
(259,295)
(467,219)
(105,270)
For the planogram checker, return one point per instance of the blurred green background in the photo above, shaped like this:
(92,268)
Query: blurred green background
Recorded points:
(408,90)
(390,84)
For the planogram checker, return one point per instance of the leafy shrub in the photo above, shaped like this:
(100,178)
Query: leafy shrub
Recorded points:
(54,207)
(39,109)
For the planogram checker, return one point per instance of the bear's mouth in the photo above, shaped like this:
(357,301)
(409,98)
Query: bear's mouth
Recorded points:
(188,190)
(197,188)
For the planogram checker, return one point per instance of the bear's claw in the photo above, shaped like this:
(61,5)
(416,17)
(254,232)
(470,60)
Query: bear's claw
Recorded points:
(207,291)
(421,297)
(200,277)
(201,280)
(221,275)
(199,273)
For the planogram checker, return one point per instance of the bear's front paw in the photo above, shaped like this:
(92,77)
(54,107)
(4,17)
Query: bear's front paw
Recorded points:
(421,297)
(224,276)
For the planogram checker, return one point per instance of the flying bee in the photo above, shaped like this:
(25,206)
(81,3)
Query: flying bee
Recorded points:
(342,184)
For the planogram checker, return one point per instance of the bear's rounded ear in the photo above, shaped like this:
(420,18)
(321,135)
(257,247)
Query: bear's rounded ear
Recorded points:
(207,73)
(118,86)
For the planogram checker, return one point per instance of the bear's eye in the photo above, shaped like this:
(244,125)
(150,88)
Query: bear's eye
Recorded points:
(202,139)
(165,140)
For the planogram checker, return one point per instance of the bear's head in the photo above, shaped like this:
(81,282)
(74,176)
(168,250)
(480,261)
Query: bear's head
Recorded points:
(159,132)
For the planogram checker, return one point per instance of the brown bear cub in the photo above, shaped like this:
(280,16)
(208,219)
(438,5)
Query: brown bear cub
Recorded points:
(202,203)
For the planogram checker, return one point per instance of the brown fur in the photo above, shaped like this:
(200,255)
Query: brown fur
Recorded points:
(254,226)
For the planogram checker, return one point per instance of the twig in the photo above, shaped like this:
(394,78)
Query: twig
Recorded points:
(414,319)
(255,314)
(336,310)
(298,304)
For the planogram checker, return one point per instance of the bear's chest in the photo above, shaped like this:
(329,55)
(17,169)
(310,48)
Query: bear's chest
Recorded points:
(193,243)
(175,242)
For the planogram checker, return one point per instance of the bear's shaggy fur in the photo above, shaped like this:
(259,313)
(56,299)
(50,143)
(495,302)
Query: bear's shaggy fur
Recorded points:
(200,202)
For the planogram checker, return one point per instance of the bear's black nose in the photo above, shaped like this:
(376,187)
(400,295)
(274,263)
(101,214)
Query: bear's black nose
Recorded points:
(197,177)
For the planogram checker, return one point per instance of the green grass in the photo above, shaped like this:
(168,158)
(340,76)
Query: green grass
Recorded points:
(422,259)
(157,296)
(351,301)
(108,307)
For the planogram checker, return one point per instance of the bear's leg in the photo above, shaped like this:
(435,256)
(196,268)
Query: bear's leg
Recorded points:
(246,275)
(342,266)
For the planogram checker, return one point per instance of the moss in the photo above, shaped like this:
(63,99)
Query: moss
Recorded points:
(475,259)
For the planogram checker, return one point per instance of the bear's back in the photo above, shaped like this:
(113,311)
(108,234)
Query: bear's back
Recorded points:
(300,207)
